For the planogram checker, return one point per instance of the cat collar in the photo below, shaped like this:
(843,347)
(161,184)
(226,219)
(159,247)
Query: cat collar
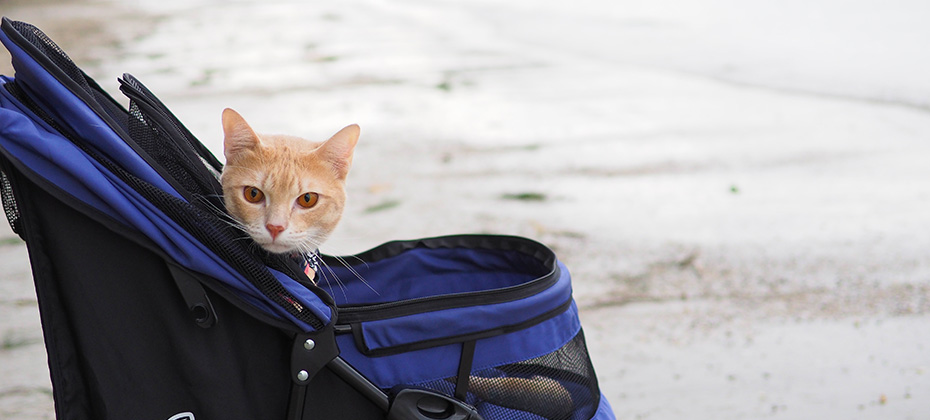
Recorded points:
(312,262)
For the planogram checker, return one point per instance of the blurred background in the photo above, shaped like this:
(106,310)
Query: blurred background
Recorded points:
(740,188)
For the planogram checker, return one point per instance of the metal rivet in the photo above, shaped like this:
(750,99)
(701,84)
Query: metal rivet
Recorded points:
(309,344)
(302,375)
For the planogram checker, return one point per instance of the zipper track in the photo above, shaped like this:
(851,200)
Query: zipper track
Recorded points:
(356,314)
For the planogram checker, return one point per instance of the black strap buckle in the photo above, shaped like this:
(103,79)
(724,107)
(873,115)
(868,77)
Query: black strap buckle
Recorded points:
(198,303)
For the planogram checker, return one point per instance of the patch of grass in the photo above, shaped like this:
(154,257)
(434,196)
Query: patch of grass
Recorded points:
(382,206)
(19,303)
(525,196)
(205,78)
(13,240)
(569,234)
(21,390)
(12,340)
(444,86)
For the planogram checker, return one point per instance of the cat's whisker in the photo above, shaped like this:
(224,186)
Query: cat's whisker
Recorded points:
(321,274)
(306,248)
(356,257)
(221,213)
(338,282)
(356,274)
(204,201)
(234,224)
(309,246)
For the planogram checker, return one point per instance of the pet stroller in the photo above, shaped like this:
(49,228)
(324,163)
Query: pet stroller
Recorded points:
(153,307)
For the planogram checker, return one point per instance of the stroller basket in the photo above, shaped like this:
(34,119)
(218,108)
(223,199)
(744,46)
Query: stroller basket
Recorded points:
(154,307)
(492,315)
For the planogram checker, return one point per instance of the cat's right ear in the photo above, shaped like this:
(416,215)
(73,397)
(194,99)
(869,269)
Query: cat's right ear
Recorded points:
(339,148)
(238,135)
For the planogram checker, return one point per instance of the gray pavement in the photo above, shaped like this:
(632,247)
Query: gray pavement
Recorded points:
(741,199)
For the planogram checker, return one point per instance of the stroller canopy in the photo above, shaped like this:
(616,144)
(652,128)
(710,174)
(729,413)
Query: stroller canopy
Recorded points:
(83,143)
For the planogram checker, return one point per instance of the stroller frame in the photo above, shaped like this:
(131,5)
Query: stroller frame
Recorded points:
(137,329)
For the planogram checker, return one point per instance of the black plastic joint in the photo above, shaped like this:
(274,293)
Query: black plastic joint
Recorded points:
(422,404)
(311,352)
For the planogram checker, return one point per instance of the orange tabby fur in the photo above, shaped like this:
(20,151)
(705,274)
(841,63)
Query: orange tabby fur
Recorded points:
(284,168)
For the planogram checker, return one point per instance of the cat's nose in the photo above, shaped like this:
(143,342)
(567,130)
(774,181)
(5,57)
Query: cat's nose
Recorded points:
(274,230)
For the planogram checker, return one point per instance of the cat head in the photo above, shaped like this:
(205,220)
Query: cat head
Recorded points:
(287,193)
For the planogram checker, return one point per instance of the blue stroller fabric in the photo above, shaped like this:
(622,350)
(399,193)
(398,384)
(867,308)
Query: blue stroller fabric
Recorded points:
(413,305)
(487,320)
(71,169)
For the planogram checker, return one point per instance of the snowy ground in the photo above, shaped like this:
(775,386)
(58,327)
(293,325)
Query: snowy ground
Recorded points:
(739,188)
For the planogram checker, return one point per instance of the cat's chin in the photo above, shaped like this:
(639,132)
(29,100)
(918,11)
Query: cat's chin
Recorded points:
(278,248)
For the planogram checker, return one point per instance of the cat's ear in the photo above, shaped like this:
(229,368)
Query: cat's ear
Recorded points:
(238,135)
(339,148)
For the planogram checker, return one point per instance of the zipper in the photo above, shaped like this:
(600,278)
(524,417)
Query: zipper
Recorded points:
(355,314)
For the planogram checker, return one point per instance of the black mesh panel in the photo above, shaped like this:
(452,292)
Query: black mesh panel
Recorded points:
(166,153)
(9,204)
(557,386)
(51,50)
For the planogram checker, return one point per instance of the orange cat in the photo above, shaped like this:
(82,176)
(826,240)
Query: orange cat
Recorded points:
(287,193)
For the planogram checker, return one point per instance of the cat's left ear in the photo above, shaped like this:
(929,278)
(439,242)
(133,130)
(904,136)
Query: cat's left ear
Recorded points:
(338,149)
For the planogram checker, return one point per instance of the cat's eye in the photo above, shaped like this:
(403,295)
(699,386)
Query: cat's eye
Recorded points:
(253,195)
(308,200)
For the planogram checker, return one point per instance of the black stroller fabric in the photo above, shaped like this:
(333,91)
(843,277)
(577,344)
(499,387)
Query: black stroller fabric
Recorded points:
(153,307)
